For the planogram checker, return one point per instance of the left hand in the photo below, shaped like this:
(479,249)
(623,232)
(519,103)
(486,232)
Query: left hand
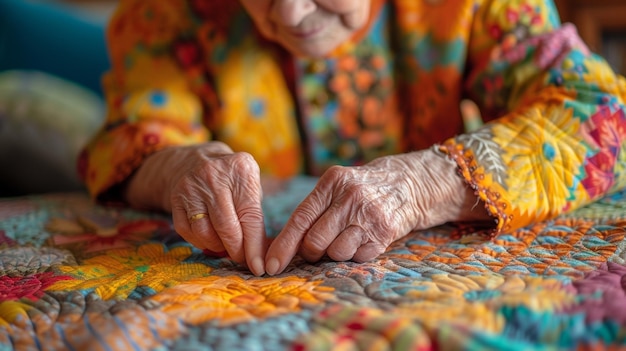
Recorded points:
(357,212)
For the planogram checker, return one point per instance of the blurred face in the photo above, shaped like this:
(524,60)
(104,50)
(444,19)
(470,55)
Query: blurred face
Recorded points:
(308,27)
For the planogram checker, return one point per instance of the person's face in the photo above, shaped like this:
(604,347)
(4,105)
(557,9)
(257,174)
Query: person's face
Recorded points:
(308,27)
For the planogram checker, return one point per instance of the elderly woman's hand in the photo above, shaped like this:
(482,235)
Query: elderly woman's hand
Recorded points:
(214,196)
(355,213)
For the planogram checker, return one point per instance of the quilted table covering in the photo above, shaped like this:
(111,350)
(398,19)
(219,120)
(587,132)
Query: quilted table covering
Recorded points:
(78,276)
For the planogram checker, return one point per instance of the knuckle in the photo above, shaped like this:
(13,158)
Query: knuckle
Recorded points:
(218,146)
(251,215)
(186,185)
(286,243)
(385,238)
(369,253)
(348,181)
(202,169)
(227,228)
(337,255)
(356,190)
(314,242)
(382,225)
(301,217)
(365,257)
(378,215)
(186,197)
(244,161)
(191,183)
(335,173)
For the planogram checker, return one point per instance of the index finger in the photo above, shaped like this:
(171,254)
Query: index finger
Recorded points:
(285,246)
(250,213)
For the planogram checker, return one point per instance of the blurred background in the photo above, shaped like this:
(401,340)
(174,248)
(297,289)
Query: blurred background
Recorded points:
(601,24)
(53,53)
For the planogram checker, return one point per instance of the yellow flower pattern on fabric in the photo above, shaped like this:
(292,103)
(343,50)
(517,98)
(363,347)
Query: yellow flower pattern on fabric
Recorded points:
(163,105)
(232,299)
(119,272)
(260,110)
(537,148)
(598,73)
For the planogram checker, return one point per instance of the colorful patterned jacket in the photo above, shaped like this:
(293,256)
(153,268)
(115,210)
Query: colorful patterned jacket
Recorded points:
(187,71)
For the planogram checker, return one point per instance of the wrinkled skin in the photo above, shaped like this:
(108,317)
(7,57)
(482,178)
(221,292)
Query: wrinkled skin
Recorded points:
(355,213)
(311,28)
(207,178)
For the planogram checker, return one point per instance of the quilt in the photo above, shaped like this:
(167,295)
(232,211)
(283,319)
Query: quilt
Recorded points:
(75,275)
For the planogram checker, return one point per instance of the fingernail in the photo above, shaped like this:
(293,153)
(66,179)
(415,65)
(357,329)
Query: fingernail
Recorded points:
(272,266)
(257,266)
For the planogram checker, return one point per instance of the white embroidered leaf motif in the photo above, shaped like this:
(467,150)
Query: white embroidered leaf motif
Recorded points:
(487,152)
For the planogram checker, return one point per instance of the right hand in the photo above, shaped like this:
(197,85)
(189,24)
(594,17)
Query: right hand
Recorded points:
(214,195)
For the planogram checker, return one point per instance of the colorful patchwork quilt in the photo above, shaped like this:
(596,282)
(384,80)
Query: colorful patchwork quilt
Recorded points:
(75,275)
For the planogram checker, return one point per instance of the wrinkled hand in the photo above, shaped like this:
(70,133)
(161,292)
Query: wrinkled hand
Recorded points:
(355,213)
(214,196)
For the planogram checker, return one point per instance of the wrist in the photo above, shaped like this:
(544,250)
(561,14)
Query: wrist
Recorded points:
(448,197)
(146,188)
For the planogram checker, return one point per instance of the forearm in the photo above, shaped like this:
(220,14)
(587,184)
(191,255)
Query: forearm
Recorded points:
(147,187)
(441,195)
(452,196)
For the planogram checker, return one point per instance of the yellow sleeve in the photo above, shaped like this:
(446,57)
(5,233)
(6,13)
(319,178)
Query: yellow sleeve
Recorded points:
(557,121)
(151,102)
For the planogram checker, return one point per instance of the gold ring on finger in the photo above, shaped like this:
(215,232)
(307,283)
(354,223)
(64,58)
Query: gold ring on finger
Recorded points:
(197,216)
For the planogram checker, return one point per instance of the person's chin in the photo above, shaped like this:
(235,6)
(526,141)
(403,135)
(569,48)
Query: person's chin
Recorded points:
(311,50)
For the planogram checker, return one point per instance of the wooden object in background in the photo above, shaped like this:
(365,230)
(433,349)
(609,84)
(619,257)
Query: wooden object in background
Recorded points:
(601,24)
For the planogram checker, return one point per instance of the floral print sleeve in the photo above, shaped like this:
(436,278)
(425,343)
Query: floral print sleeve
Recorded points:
(185,71)
(560,145)
(150,103)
